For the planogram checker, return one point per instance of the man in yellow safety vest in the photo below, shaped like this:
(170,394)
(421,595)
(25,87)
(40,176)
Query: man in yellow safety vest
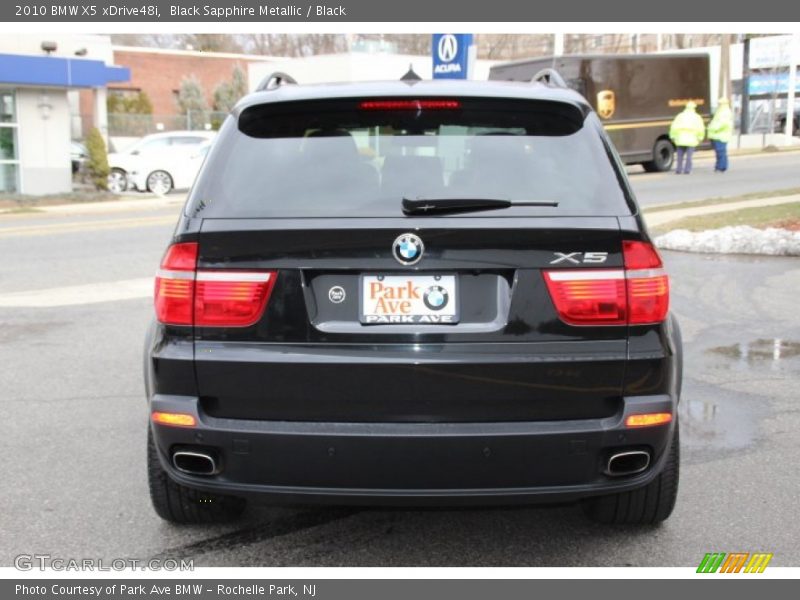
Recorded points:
(686,132)
(720,132)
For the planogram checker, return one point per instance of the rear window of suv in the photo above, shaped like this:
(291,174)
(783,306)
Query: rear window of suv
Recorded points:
(361,158)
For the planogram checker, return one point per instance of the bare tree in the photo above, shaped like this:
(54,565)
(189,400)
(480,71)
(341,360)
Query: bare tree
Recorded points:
(148,40)
(293,45)
(205,42)
(210,42)
(499,46)
(404,43)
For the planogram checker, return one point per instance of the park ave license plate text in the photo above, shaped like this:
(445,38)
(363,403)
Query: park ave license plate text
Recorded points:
(401,299)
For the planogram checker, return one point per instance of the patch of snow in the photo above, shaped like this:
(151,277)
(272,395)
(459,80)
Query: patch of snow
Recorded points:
(741,239)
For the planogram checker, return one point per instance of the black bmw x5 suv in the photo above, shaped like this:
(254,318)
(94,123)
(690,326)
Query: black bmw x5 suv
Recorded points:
(413,293)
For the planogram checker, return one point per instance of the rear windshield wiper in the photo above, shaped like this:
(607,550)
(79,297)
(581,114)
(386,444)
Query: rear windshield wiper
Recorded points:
(437,206)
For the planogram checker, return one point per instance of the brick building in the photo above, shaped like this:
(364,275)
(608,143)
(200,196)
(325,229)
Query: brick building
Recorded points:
(159,72)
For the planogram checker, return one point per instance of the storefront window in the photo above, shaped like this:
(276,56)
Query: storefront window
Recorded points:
(7,145)
(7,112)
(9,152)
(8,178)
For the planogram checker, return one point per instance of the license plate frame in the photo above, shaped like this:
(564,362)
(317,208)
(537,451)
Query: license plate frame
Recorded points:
(422,309)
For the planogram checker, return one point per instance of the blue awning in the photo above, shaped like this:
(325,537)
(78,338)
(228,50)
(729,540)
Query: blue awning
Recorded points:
(54,71)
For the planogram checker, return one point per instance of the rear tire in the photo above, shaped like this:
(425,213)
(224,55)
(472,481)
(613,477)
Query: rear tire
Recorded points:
(159,183)
(648,505)
(663,157)
(117,181)
(179,504)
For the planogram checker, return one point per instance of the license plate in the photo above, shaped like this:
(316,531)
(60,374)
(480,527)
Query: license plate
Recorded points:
(408,299)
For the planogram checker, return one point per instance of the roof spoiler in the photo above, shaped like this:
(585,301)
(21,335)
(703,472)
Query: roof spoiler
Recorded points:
(275,80)
(550,77)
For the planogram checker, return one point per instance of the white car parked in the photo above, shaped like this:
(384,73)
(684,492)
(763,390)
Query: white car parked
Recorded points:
(164,171)
(141,155)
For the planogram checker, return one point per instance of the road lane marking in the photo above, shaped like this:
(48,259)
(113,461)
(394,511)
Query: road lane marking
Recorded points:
(75,295)
(53,228)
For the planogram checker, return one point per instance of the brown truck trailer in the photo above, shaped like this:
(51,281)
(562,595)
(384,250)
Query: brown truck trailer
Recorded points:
(636,96)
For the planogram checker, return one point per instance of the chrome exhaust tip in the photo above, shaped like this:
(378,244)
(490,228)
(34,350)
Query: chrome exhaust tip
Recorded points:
(193,462)
(627,463)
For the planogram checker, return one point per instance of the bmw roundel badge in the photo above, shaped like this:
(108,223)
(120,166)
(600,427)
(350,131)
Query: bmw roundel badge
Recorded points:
(408,249)
(435,297)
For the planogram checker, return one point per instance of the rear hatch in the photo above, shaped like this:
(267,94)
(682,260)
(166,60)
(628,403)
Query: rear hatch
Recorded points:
(441,313)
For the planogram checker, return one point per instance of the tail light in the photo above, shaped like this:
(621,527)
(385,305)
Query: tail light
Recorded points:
(175,284)
(185,295)
(635,295)
(648,284)
(231,299)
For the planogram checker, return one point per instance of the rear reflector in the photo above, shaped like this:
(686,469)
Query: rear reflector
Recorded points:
(409,104)
(174,419)
(187,296)
(636,295)
(648,419)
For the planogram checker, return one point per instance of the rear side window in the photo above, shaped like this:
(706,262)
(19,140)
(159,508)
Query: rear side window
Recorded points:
(360,158)
(185,140)
(152,145)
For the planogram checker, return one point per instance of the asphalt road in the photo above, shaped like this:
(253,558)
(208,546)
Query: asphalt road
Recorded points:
(747,174)
(73,440)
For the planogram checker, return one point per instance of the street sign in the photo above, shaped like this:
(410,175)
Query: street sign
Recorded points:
(770,83)
(452,55)
(771,51)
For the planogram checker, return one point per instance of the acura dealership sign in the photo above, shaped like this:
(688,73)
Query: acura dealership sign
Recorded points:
(453,54)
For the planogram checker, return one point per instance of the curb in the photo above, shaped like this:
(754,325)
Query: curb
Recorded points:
(125,203)
(663,217)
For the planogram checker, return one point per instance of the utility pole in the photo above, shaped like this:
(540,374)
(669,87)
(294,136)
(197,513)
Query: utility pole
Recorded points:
(558,44)
(744,126)
(724,68)
(790,92)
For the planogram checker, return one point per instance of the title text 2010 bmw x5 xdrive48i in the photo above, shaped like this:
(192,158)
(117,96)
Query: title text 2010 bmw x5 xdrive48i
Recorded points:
(394,293)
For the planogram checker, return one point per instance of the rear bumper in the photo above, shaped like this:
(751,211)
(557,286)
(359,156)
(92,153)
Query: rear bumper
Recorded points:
(413,463)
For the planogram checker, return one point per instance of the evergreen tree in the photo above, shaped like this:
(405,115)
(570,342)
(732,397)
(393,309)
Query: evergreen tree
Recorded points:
(192,103)
(97,161)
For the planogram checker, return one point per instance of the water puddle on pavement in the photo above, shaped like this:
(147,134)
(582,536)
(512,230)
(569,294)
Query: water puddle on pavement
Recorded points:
(716,420)
(760,350)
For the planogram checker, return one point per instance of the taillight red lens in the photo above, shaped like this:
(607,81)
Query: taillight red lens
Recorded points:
(231,299)
(648,299)
(648,285)
(175,284)
(640,255)
(637,295)
(174,300)
(409,104)
(180,257)
(588,297)
(187,296)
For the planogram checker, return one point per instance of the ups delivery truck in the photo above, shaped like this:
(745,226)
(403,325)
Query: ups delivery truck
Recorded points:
(636,96)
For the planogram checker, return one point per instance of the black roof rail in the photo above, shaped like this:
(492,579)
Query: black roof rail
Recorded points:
(550,77)
(275,80)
